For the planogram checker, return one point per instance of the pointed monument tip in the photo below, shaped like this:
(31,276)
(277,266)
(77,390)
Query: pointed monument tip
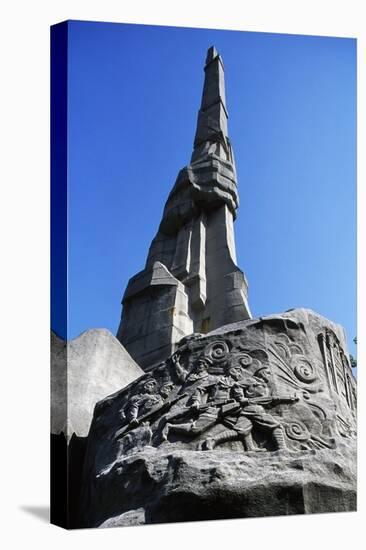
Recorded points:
(211,54)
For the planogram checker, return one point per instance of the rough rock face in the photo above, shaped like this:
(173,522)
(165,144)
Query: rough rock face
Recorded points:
(84,371)
(169,486)
(256,418)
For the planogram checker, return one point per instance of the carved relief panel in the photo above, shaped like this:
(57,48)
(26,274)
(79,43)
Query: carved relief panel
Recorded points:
(261,390)
(337,367)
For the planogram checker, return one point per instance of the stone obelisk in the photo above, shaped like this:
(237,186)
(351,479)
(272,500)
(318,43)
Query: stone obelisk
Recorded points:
(191,282)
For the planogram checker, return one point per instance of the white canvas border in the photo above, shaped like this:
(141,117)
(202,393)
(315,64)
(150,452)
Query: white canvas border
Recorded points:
(25,232)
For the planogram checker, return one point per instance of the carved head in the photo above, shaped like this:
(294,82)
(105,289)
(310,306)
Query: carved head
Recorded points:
(166,389)
(149,386)
(263,373)
(236,372)
(202,365)
(260,389)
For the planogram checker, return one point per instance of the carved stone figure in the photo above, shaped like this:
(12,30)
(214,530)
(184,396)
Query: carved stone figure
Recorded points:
(142,403)
(200,417)
(249,413)
(199,373)
(249,390)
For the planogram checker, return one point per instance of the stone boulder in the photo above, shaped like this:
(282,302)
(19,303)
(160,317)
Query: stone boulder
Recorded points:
(168,486)
(255,418)
(84,371)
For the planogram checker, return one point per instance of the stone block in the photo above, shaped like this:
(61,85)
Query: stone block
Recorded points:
(248,420)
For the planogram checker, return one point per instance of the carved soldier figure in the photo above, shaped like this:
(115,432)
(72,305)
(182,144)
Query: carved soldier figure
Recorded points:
(239,427)
(201,380)
(166,389)
(142,403)
(249,413)
(206,401)
(180,371)
(263,374)
(197,373)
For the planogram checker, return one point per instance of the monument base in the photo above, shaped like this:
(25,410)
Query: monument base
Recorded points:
(257,418)
(156,486)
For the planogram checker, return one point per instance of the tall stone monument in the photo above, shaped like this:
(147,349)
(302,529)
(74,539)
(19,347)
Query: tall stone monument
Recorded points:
(191,283)
(233,416)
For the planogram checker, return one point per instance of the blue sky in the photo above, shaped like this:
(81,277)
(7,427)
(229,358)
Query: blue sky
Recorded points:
(133,97)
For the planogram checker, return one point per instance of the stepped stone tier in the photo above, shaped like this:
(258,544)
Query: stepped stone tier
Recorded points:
(255,418)
(191,282)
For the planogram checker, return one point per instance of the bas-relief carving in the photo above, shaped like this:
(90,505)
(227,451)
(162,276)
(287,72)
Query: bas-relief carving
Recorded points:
(258,393)
(337,366)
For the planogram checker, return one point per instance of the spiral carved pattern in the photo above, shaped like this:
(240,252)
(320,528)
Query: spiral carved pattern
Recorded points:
(244,360)
(217,351)
(297,430)
(305,371)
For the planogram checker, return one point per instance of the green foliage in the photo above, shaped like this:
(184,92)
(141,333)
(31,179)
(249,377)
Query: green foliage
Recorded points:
(353,362)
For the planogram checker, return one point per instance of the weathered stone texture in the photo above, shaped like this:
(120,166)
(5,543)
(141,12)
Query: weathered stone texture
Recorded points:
(84,371)
(255,418)
(178,485)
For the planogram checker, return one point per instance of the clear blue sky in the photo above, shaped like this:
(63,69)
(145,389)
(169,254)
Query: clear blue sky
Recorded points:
(134,93)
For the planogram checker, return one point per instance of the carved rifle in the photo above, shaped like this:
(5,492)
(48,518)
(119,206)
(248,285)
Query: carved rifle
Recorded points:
(218,403)
(148,416)
(270,400)
(234,406)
